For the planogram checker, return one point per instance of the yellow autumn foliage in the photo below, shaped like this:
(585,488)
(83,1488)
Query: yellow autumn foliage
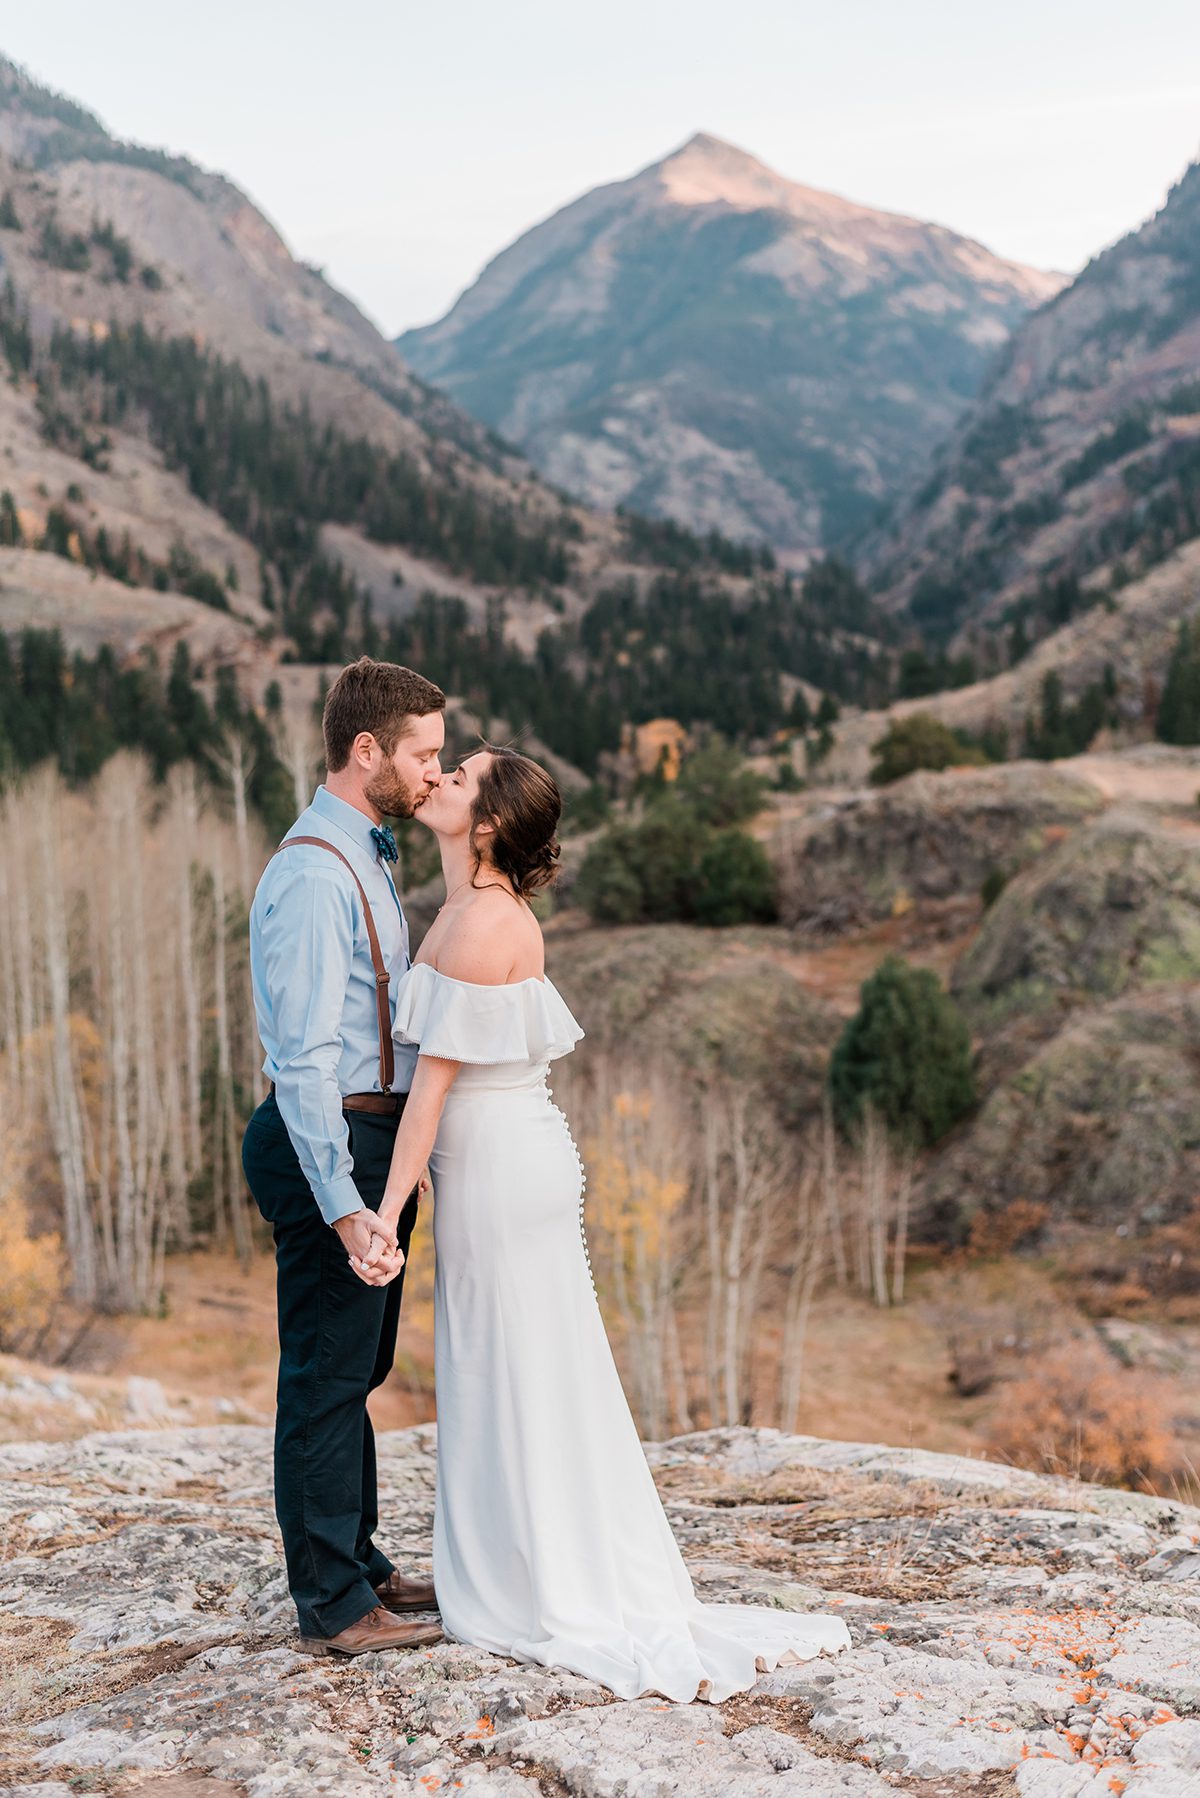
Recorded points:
(632,1195)
(30,1285)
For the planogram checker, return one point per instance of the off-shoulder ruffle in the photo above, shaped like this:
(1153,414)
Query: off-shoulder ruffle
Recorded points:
(483,1025)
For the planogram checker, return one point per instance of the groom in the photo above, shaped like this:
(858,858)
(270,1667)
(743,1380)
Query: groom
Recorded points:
(328,942)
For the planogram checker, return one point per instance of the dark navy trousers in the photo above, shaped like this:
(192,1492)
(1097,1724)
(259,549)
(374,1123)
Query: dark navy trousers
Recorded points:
(337,1342)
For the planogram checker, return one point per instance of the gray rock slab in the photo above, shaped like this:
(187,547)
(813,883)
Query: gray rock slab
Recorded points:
(1001,1624)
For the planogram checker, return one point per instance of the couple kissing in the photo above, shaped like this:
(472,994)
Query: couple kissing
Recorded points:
(550,1544)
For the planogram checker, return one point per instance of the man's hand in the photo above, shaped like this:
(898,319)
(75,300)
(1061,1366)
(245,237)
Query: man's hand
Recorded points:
(366,1237)
(383,1271)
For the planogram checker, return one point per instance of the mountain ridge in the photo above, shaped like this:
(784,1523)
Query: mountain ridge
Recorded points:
(708,340)
(1075,476)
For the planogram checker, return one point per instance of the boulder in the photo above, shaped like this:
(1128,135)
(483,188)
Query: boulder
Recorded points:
(926,838)
(1100,1125)
(1115,907)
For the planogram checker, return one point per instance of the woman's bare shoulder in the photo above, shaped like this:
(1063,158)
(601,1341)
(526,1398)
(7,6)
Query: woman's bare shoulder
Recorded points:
(495,939)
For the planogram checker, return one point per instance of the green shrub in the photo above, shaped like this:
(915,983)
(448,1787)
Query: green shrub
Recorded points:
(719,786)
(735,883)
(666,846)
(991,887)
(608,887)
(907,1053)
(920,741)
(671,867)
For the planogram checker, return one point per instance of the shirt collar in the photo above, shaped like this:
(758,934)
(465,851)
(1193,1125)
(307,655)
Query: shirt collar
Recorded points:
(355,824)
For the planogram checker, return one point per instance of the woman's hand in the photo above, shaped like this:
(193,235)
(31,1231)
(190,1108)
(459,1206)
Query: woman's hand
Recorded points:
(381,1265)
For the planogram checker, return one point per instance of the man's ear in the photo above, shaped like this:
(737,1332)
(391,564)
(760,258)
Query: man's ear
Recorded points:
(363,748)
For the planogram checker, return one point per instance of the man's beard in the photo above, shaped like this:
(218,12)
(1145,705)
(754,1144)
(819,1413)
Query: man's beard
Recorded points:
(392,796)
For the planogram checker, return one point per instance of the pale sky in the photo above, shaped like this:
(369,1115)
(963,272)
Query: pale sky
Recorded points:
(401,146)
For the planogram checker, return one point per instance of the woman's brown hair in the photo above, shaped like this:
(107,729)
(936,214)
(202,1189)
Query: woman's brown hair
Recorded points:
(524,804)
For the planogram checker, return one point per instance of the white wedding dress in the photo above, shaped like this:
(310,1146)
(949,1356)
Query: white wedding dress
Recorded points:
(550,1543)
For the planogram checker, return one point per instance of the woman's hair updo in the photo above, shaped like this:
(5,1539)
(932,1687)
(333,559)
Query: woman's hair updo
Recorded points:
(524,804)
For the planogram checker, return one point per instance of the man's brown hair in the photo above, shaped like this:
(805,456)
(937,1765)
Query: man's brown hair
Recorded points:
(377,696)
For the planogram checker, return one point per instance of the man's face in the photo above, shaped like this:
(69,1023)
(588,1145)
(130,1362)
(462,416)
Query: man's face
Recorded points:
(400,782)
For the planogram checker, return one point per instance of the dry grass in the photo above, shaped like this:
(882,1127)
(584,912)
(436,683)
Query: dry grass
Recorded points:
(218,1339)
(1078,1413)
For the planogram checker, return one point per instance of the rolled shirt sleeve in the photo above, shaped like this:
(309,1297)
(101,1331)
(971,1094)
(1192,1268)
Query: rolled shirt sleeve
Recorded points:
(307,943)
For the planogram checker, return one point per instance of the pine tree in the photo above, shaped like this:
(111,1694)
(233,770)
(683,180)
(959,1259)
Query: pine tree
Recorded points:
(10,524)
(1179,708)
(906,1053)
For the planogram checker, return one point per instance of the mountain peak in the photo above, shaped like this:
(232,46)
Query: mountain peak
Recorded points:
(706,143)
(708,170)
(712,322)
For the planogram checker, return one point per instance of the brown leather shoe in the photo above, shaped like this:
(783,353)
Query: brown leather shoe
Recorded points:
(378,1629)
(400,1593)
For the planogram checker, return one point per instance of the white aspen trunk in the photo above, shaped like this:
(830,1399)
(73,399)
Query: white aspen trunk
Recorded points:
(225,1131)
(147,972)
(712,1213)
(762,1237)
(237,766)
(739,1208)
(222,1197)
(65,1105)
(831,1193)
(187,825)
(119,1047)
(883,1214)
(26,970)
(647,1344)
(10,1026)
(677,1375)
(900,1247)
(299,750)
(176,1221)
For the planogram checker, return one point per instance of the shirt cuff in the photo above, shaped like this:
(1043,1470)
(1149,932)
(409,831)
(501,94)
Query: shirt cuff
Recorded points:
(338,1198)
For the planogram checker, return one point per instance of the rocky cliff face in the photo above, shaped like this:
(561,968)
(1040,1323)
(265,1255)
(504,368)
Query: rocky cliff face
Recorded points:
(711,342)
(1079,982)
(1080,461)
(1012,1634)
(101,239)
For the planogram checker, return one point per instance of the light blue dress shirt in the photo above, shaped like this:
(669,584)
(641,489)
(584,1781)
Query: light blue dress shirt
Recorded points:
(314,988)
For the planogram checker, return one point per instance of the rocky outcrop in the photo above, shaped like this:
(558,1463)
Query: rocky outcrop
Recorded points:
(1100,1125)
(1012,1634)
(1114,908)
(927,837)
(722,1003)
(711,342)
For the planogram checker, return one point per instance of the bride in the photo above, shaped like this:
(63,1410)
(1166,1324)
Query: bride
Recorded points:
(550,1543)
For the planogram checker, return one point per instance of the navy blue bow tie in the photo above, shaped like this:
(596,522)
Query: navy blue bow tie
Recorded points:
(385,842)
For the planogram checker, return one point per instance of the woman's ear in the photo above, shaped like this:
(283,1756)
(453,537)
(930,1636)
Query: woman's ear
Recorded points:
(485,828)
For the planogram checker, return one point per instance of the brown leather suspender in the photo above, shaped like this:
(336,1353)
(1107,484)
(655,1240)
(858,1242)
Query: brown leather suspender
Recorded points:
(387,1063)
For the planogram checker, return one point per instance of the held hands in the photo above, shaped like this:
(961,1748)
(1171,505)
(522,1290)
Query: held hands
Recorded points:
(383,1270)
(369,1240)
(383,1258)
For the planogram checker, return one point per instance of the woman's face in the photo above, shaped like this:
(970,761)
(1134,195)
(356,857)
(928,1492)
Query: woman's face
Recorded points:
(447,810)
